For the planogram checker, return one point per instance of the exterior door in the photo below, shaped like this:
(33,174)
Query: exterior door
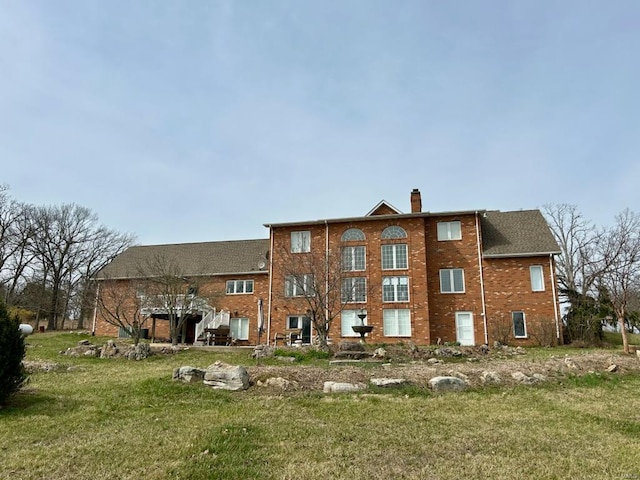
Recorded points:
(464,328)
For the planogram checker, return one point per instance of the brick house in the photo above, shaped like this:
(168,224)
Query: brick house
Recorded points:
(228,276)
(471,277)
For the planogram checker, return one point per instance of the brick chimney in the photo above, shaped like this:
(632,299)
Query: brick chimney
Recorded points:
(416,201)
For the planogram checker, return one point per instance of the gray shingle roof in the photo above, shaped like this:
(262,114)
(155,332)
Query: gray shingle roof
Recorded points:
(192,259)
(520,233)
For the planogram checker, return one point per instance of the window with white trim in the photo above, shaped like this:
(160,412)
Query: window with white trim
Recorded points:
(396,322)
(537,278)
(393,231)
(452,280)
(298,285)
(395,289)
(353,258)
(352,234)
(349,318)
(239,328)
(519,324)
(394,256)
(449,231)
(235,287)
(354,289)
(301,242)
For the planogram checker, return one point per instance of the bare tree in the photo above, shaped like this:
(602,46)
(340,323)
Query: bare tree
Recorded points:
(319,282)
(620,253)
(121,303)
(69,244)
(578,267)
(16,234)
(172,292)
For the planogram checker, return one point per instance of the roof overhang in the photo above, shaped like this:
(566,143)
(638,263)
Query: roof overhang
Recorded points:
(374,218)
(524,254)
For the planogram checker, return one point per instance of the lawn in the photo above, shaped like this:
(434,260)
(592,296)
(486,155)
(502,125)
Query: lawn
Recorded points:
(119,419)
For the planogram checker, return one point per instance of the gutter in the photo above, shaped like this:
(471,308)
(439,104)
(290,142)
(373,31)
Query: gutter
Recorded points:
(555,300)
(482,295)
(271,255)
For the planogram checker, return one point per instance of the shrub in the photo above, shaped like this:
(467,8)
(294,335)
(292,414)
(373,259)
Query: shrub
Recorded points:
(12,352)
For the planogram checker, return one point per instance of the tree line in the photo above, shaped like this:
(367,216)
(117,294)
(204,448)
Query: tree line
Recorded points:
(48,256)
(598,272)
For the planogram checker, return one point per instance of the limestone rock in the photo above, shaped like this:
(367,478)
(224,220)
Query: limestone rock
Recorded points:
(380,353)
(490,378)
(341,387)
(388,382)
(262,351)
(570,363)
(447,384)
(278,382)
(188,374)
(612,368)
(350,347)
(109,350)
(523,378)
(226,377)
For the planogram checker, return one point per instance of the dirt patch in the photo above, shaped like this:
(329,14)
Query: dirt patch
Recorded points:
(473,369)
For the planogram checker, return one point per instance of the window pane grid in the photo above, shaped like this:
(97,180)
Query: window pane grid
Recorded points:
(452,280)
(394,257)
(395,289)
(396,322)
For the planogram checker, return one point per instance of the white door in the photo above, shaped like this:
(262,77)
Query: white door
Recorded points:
(464,328)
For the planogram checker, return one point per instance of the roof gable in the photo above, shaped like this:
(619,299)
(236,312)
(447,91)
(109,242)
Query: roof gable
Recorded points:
(383,208)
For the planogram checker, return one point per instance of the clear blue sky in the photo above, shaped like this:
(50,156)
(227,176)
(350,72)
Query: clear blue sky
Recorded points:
(202,120)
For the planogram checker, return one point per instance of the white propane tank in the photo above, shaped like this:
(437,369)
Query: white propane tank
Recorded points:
(25,329)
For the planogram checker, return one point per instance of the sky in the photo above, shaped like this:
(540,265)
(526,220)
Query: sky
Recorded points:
(190,121)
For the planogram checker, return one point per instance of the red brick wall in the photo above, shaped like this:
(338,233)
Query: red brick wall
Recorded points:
(453,254)
(213,289)
(508,289)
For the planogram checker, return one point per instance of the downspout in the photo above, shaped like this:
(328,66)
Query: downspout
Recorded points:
(484,306)
(555,300)
(270,284)
(326,273)
(95,310)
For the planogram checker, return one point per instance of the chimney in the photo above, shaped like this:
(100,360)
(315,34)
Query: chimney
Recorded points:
(416,201)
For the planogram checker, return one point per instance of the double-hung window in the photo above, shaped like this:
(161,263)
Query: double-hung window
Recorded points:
(395,289)
(239,286)
(452,280)
(394,256)
(301,242)
(354,289)
(349,318)
(353,259)
(298,285)
(396,322)
(519,324)
(537,278)
(449,231)
(239,328)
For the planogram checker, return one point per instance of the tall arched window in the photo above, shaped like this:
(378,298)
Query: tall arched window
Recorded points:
(352,234)
(393,231)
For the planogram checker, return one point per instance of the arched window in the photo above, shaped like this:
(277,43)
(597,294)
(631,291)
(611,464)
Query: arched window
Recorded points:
(352,234)
(393,232)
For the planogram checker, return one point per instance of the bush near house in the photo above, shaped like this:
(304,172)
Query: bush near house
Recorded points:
(12,352)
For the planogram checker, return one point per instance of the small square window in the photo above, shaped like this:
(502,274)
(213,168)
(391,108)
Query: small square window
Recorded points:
(449,231)
(239,328)
(452,280)
(300,242)
(396,322)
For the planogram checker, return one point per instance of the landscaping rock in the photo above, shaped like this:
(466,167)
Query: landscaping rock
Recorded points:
(189,374)
(570,364)
(388,382)
(380,353)
(139,352)
(262,351)
(490,378)
(350,347)
(447,384)
(226,377)
(340,387)
(612,368)
(110,350)
(351,354)
(523,378)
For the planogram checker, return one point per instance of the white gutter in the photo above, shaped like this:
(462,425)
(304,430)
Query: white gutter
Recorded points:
(95,309)
(271,254)
(484,306)
(326,272)
(555,300)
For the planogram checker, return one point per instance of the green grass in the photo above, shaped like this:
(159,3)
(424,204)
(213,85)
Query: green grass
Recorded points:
(118,419)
